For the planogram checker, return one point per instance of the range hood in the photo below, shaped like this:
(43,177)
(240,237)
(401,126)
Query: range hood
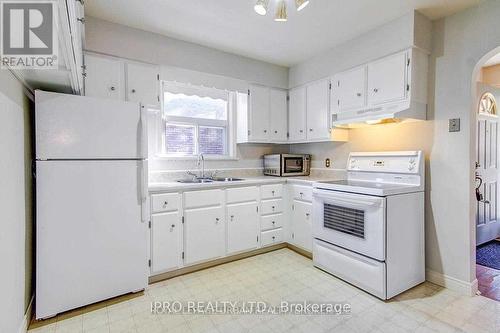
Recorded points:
(388,113)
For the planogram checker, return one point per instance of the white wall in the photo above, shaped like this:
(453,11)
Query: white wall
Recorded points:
(15,203)
(459,43)
(115,39)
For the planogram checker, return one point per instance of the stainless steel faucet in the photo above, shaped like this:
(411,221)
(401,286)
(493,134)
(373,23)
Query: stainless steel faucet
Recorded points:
(201,160)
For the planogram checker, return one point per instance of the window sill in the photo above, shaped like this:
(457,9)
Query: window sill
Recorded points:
(194,158)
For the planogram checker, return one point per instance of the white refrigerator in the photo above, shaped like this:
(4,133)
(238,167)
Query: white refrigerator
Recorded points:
(91,201)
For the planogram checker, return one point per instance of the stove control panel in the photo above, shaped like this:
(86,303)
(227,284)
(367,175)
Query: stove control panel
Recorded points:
(409,162)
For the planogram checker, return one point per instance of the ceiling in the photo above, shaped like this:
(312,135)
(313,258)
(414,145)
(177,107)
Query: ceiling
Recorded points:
(233,26)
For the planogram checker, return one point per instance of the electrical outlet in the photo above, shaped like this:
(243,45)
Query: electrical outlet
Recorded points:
(454,125)
(327,163)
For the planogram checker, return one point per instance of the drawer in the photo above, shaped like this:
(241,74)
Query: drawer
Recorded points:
(165,202)
(271,221)
(363,272)
(271,191)
(271,237)
(303,193)
(203,198)
(242,194)
(271,206)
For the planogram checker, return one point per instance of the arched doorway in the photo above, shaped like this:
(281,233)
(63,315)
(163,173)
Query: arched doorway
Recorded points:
(486,140)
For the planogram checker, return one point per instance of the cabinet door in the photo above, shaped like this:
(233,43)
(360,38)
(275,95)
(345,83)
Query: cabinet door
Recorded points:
(350,89)
(387,79)
(166,242)
(318,100)
(142,84)
(105,77)
(204,234)
(259,113)
(302,224)
(242,227)
(297,116)
(278,115)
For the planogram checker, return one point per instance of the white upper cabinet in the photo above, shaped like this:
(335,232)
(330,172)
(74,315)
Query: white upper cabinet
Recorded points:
(259,114)
(387,79)
(104,77)
(110,77)
(262,117)
(297,114)
(278,109)
(143,83)
(318,111)
(349,89)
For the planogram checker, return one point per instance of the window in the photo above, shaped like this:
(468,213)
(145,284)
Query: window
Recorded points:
(196,120)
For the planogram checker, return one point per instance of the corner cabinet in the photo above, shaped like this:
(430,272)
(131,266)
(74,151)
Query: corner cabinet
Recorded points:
(264,117)
(111,77)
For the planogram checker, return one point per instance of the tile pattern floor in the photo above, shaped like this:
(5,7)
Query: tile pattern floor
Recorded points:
(489,282)
(283,274)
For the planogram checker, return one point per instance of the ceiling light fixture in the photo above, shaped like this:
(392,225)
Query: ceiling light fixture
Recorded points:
(301,4)
(281,15)
(261,7)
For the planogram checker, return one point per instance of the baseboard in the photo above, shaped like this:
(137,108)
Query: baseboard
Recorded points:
(463,287)
(27,317)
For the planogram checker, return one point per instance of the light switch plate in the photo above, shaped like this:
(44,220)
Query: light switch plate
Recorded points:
(454,125)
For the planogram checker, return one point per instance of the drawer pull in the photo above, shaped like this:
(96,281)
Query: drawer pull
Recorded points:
(273,207)
(165,204)
(274,237)
(173,225)
(232,217)
(307,215)
(272,193)
(301,194)
(274,222)
(216,220)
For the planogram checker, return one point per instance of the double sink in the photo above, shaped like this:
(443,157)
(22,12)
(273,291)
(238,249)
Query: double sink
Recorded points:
(208,180)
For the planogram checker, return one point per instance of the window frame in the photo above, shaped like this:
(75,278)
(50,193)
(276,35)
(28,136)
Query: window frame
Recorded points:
(229,125)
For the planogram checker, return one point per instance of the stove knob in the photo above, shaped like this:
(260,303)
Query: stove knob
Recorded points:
(411,167)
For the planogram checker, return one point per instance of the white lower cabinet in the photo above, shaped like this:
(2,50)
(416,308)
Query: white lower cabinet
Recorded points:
(166,242)
(204,234)
(272,237)
(301,226)
(242,227)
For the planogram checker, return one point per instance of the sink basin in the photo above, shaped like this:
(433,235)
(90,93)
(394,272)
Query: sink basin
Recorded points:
(228,179)
(195,181)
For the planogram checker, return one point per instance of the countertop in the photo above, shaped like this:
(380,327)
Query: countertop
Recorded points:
(176,187)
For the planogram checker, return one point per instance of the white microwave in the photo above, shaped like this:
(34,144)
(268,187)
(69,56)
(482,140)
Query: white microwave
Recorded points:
(287,165)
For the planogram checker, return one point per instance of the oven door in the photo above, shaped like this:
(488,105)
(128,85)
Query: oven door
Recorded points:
(355,222)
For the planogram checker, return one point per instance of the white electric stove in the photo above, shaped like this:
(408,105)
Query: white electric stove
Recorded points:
(369,228)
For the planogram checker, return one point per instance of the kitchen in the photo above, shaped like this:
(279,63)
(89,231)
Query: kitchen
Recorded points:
(211,114)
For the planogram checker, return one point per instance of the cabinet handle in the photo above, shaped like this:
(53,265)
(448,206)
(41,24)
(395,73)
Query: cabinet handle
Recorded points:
(165,204)
(274,237)
(112,88)
(273,207)
(274,222)
(216,220)
(173,225)
(81,20)
(375,90)
(133,91)
(307,215)
(310,130)
(272,193)
(265,131)
(301,194)
(301,131)
(275,132)
(358,94)
(232,217)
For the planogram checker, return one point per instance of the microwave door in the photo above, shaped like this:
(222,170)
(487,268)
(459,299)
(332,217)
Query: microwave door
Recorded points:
(293,165)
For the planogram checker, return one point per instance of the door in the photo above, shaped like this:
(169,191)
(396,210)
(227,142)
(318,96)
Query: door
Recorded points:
(318,113)
(350,90)
(278,115)
(353,221)
(259,113)
(89,233)
(143,84)
(387,79)
(297,115)
(302,224)
(104,78)
(242,227)
(204,234)
(488,225)
(166,242)
(78,127)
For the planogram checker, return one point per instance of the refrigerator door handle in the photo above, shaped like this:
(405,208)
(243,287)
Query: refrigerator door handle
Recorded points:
(144,132)
(144,191)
